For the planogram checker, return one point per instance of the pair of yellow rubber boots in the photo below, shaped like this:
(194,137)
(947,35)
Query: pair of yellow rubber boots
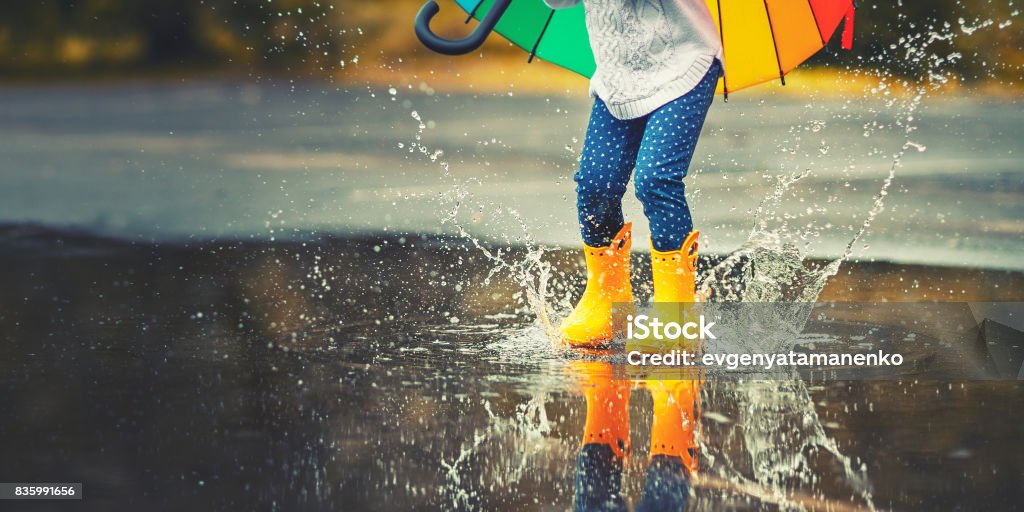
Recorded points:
(594,321)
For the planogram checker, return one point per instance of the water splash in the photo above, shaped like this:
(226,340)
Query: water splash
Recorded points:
(531,270)
(778,425)
(528,426)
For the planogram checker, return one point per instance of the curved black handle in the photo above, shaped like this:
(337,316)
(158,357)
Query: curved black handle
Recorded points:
(460,46)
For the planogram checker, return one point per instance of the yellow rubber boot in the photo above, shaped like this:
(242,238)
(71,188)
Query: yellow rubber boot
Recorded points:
(607,406)
(592,322)
(675,272)
(676,417)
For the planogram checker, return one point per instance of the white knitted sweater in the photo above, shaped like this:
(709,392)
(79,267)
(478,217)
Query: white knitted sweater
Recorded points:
(648,52)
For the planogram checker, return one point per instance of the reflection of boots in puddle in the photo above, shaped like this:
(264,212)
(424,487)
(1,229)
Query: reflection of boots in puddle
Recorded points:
(674,456)
(605,439)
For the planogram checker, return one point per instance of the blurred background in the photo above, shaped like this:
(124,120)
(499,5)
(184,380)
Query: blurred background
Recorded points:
(71,39)
(173,119)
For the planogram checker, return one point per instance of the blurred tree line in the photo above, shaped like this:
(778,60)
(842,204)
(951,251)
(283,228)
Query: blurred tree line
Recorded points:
(57,37)
(42,38)
(987,38)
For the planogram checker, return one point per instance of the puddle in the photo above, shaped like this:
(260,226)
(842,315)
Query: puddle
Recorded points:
(226,376)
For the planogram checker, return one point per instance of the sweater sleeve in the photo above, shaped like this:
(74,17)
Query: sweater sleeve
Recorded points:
(561,4)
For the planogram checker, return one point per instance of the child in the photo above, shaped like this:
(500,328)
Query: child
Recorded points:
(658,62)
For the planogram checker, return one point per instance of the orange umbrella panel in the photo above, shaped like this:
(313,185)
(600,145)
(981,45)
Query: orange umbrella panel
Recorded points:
(762,40)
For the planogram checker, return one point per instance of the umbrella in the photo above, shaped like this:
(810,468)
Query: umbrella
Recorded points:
(762,40)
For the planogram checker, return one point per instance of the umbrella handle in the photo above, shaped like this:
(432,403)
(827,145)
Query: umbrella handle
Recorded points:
(459,46)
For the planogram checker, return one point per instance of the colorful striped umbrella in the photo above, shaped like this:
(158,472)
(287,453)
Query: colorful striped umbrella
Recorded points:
(762,39)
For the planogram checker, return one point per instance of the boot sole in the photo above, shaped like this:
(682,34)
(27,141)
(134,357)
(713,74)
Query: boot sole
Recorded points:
(589,343)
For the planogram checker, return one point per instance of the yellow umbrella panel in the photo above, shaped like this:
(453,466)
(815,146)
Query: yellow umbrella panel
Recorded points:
(764,39)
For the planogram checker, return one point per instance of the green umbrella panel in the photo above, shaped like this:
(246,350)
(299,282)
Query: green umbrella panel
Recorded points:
(557,36)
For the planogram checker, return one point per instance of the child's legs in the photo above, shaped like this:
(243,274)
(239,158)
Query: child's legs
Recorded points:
(664,159)
(609,153)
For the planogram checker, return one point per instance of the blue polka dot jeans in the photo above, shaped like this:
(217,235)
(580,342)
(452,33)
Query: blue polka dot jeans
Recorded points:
(659,146)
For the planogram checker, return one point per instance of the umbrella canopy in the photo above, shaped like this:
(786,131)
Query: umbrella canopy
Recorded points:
(762,40)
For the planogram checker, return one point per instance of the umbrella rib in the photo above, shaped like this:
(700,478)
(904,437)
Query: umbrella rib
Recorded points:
(771,28)
(721,37)
(473,12)
(536,44)
(814,15)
